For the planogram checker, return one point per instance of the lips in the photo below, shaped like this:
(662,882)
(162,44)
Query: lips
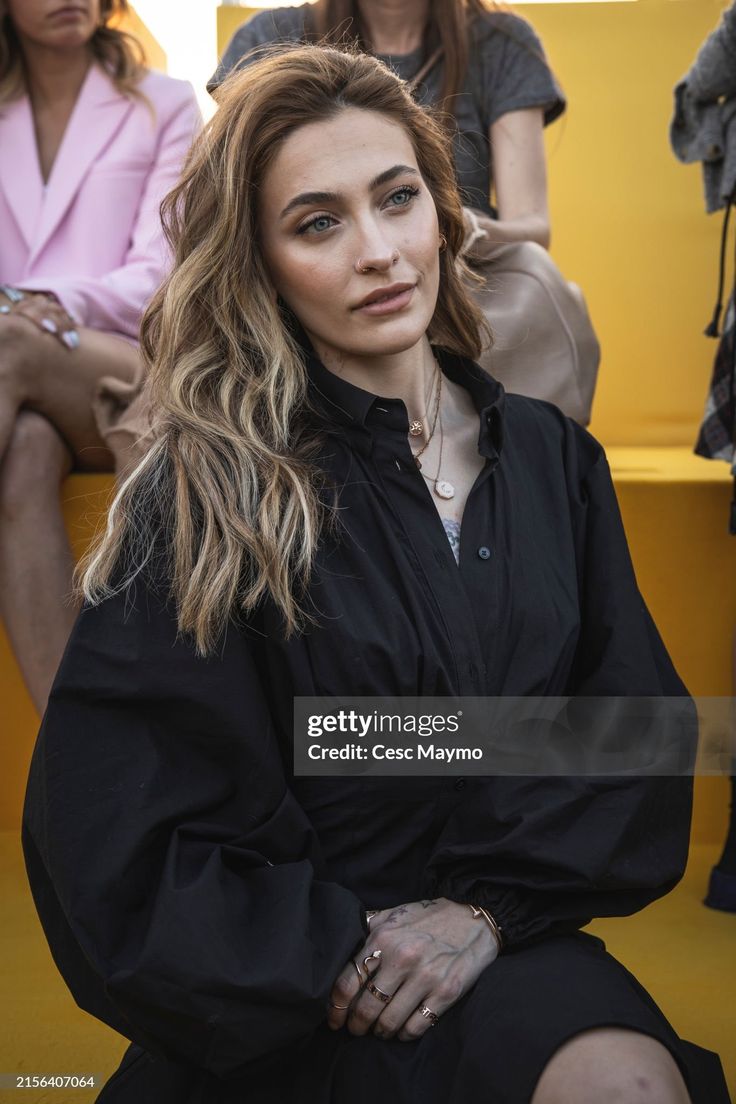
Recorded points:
(68,10)
(383,294)
(386,299)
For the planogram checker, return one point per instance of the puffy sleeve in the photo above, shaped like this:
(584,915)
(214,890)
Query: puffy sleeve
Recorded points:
(546,855)
(513,70)
(179,883)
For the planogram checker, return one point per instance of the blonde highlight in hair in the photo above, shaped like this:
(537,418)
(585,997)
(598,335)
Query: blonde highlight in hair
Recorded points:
(119,53)
(231,486)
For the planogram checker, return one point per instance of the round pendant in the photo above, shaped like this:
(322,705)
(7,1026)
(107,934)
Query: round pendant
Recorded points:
(416,429)
(444,489)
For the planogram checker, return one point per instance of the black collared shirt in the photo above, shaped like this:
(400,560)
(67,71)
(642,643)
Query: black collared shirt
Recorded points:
(392,525)
(199,898)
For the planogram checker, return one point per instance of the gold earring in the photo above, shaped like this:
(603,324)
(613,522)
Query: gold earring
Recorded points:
(443,243)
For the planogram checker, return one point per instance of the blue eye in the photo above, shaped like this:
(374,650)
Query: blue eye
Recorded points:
(404,195)
(319,224)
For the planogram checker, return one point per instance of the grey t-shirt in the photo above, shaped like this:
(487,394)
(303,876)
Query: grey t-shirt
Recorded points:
(507,71)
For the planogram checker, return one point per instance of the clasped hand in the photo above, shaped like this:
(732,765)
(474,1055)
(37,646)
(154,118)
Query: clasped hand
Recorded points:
(46,313)
(432,952)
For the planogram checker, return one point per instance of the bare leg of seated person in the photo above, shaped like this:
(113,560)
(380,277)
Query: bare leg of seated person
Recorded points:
(611,1066)
(36,561)
(45,418)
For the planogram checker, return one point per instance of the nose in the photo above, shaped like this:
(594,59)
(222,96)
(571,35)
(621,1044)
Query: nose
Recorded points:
(376,253)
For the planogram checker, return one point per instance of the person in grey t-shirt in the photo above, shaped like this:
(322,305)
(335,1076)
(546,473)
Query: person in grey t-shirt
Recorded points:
(504,94)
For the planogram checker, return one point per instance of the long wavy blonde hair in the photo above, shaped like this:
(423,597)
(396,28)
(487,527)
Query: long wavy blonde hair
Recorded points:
(119,53)
(230,489)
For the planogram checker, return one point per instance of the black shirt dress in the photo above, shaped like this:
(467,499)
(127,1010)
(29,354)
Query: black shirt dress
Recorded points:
(201,900)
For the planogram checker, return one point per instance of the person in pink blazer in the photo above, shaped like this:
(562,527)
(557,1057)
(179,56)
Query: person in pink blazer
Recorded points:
(90,143)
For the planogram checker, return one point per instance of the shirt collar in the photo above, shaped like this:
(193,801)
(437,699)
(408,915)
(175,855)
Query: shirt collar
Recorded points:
(345,405)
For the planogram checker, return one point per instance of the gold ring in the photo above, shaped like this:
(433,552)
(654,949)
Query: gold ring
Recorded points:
(341,1007)
(357,967)
(429,1014)
(376,992)
(367,959)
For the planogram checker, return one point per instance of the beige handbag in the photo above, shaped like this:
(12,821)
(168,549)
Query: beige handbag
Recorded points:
(544,344)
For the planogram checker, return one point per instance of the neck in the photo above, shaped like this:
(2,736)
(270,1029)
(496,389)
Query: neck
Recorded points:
(409,376)
(54,76)
(394,26)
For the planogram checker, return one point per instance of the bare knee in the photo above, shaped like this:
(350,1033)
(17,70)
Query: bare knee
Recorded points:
(36,460)
(17,337)
(611,1066)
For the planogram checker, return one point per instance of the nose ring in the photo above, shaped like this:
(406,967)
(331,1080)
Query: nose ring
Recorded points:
(361,267)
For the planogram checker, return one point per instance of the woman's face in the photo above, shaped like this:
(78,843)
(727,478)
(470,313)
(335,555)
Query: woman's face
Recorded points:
(346,217)
(60,24)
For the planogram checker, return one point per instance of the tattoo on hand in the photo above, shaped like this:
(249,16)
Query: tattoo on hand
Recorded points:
(426,904)
(396,913)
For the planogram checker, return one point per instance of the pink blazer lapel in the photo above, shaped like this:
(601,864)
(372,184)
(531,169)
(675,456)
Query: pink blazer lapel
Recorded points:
(97,116)
(20,175)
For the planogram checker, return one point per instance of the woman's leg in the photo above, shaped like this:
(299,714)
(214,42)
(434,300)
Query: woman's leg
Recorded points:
(45,419)
(36,561)
(37,371)
(611,1066)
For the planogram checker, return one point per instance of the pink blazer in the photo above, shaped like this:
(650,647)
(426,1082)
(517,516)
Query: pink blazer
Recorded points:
(93,236)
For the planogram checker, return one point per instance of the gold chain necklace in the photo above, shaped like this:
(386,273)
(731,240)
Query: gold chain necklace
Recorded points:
(434,418)
(442,487)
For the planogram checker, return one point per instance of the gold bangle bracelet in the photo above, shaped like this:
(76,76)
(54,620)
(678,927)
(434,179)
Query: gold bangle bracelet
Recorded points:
(477,911)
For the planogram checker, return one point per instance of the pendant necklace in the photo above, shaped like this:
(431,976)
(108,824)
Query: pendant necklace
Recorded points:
(442,487)
(416,455)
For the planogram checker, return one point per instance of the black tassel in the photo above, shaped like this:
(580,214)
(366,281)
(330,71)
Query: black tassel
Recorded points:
(711,330)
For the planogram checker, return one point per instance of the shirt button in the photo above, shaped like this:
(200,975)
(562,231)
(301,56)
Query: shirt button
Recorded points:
(460,784)
(484,552)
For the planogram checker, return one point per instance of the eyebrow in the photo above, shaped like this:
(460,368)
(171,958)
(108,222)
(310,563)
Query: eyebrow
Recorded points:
(309,199)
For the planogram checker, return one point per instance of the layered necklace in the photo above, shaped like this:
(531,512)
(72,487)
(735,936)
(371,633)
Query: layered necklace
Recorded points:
(442,487)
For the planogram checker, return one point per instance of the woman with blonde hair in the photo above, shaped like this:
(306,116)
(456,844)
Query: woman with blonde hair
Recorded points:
(91,142)
(299,528)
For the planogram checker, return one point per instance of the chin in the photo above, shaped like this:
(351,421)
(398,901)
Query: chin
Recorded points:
(382,338)
(70,41)
(383,342)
